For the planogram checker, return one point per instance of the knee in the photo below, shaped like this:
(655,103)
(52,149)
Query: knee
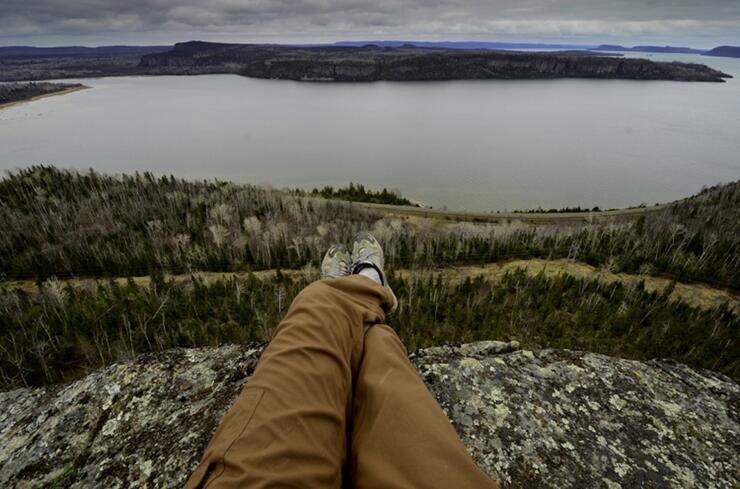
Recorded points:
(385,337)
(318,298)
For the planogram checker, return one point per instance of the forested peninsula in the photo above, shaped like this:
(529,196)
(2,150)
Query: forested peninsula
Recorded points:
(20,92)
(347,63)
(410,63)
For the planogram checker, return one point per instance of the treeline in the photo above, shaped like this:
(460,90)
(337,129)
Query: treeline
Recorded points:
(358,193)
(63,223)
(578,208)
(552,210)
(65,331)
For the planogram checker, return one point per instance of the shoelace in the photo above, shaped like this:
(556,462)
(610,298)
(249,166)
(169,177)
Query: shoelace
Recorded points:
(366,256)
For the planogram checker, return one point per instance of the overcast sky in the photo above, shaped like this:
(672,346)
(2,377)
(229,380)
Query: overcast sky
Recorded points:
(698,23)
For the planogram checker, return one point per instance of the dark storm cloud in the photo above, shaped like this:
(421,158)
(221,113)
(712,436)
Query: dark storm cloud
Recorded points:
(385,18)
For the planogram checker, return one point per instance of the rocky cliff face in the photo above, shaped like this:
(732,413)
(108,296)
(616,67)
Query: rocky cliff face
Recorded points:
(409,63)
(552,418)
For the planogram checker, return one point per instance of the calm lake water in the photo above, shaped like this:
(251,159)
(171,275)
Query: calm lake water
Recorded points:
(478,145)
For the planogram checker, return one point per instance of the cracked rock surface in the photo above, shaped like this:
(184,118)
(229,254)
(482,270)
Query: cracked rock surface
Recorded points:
(547,419)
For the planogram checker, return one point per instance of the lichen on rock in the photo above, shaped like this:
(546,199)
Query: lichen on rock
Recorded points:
(559,418)
(552,418)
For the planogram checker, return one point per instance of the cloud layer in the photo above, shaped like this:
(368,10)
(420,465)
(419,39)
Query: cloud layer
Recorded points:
(718,20)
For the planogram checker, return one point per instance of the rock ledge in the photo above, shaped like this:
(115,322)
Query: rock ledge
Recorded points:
(553,418)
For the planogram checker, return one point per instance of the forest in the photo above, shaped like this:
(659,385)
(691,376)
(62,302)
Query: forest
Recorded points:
(59,223)
(64,331)
(101,229)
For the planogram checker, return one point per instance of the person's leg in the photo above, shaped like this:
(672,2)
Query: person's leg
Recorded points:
(401,438)
(288,428)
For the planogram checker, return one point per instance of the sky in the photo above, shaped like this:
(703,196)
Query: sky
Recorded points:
(695,23)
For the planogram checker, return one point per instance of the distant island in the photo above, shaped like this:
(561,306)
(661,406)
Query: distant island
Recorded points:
(19,92)
(725,51)
(408,63)
(650,49)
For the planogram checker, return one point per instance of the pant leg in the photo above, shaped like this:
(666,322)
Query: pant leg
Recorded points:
(288,428)
(401,438)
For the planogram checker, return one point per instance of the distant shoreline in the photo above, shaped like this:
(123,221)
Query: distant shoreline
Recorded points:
(528,217)
(45,95)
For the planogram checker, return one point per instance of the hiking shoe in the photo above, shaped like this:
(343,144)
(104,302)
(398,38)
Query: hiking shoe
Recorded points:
(367,252)
(336,262)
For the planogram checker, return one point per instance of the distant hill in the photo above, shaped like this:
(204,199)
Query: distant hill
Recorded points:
(515,46)
(80,50)
(611,47)
(668,49)
(465,45)
(725,51)
(649,49)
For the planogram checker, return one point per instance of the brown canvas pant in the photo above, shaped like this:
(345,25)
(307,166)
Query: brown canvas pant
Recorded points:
(335,403)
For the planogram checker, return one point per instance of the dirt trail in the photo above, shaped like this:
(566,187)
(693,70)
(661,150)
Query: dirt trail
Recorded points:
(694,294)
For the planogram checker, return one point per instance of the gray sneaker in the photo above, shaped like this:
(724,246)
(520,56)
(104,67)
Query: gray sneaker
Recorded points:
(367,252)
(336,262)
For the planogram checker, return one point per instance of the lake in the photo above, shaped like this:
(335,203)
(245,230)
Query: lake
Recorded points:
(477,145)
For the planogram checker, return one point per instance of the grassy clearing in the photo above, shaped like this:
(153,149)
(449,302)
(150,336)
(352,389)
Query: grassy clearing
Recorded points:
(697,295)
